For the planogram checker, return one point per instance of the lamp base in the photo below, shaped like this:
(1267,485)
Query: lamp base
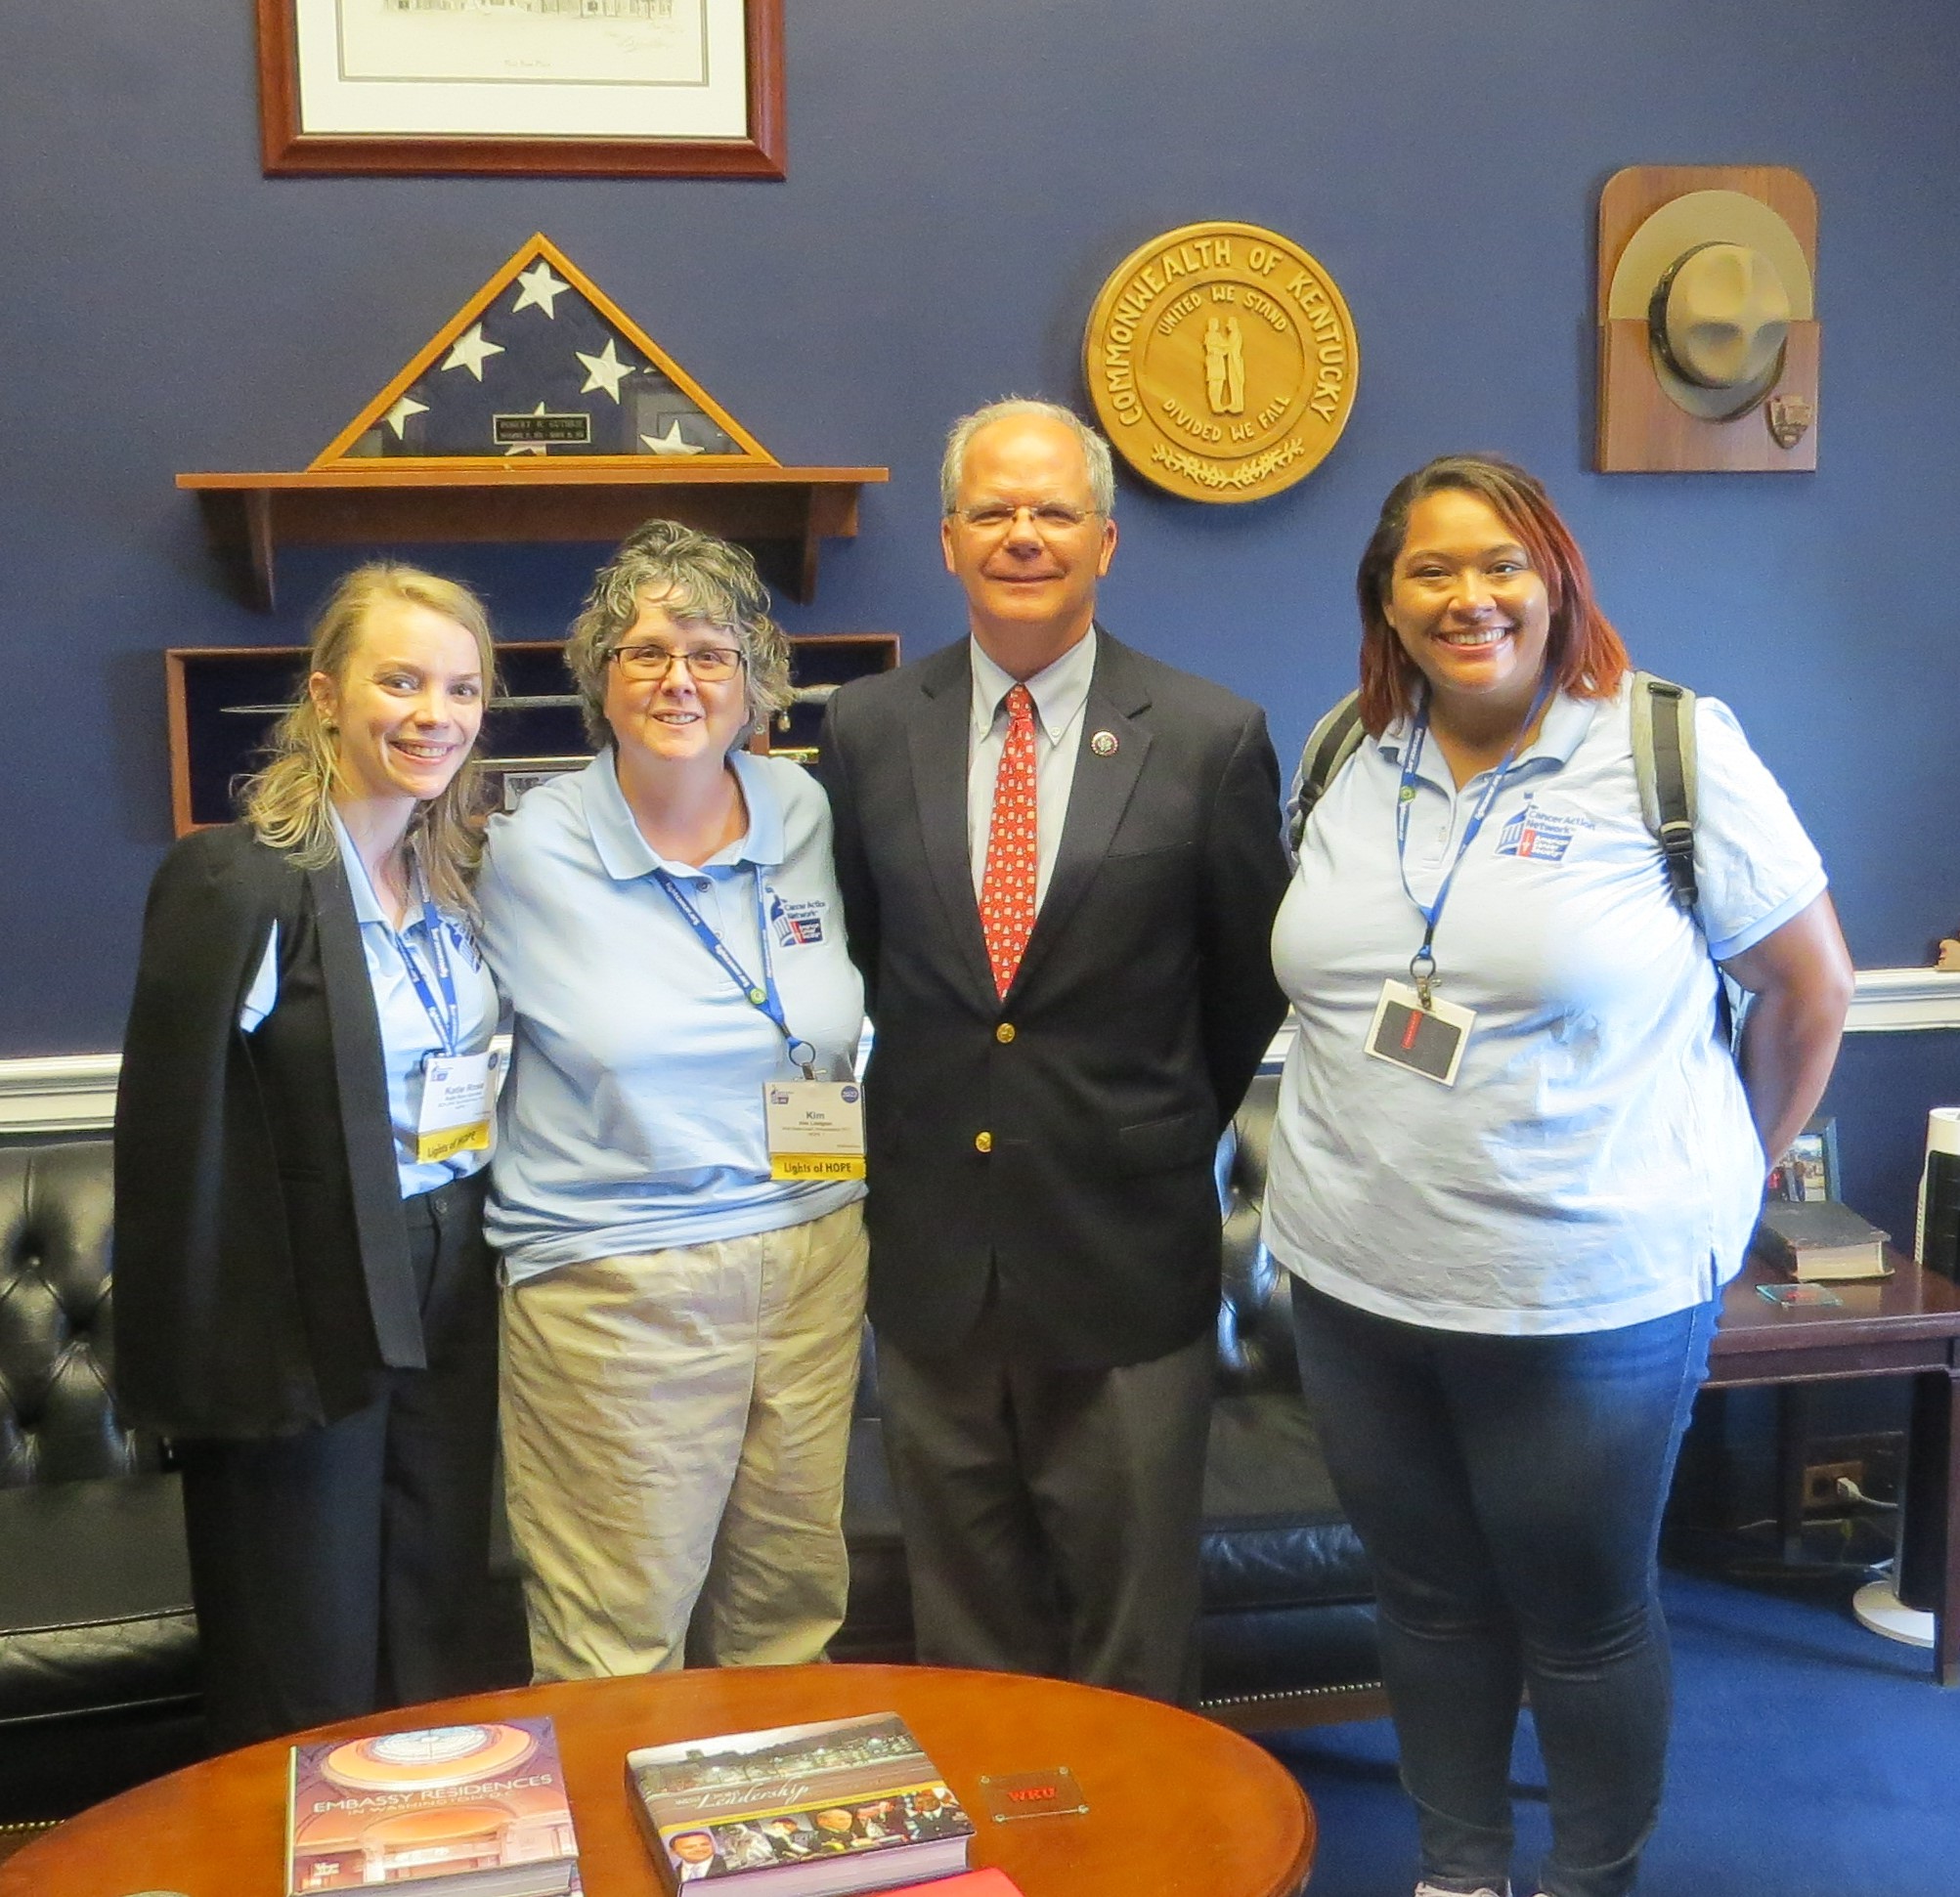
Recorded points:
(1881,1610)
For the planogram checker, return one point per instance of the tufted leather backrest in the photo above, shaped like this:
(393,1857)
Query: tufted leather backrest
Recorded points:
(58,1419)
(1255,1314)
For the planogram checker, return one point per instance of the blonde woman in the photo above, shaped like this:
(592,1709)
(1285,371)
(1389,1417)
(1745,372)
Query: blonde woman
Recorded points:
(304,1304)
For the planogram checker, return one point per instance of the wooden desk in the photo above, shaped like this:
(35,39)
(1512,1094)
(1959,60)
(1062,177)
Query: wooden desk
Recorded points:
(1166,1788)
(1905,1325)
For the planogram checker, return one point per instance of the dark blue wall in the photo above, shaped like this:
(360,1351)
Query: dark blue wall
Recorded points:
(962,177)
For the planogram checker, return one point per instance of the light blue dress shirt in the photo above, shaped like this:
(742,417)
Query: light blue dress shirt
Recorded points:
(632,1118)
(408,1036)
(1596,1164)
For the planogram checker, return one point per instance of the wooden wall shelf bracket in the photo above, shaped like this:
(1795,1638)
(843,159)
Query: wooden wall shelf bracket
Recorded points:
(785,512)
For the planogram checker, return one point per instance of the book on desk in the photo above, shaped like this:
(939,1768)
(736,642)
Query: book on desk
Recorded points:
(1813,1240)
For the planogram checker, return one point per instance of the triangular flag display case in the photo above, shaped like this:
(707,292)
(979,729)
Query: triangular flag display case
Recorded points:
(540,412)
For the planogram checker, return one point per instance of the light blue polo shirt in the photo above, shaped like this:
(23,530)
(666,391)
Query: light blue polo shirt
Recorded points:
(1595,1163)
(409,1033)
(632,1118)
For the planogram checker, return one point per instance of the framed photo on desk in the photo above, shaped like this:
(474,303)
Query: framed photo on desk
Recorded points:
(1809,1168)
(550,88)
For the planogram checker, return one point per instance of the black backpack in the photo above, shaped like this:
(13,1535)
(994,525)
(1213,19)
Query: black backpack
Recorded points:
(1664,765)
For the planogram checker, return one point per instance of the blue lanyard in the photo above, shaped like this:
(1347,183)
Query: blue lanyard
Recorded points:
(765,999)
(446,1018)
(1423,963)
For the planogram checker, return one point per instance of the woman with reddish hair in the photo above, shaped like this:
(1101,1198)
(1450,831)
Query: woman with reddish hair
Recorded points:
(1516,1160)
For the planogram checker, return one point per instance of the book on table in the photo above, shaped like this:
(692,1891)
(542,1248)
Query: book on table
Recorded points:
(818,1810)
(445,1811)
(1818,1238)
(993,1882)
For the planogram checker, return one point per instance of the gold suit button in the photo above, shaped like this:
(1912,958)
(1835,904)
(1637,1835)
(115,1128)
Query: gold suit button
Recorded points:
(982,1143)
(1004,1033)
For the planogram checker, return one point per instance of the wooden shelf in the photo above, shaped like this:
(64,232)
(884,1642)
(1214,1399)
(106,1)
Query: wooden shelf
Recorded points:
(783,513)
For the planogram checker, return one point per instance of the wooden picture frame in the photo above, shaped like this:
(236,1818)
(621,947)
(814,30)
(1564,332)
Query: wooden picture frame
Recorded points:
(422,137)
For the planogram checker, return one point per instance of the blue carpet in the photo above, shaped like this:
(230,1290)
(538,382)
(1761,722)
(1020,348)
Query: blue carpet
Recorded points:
(1810,1759)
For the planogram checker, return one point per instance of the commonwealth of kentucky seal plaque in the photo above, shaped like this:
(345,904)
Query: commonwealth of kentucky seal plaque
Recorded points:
(1221,362)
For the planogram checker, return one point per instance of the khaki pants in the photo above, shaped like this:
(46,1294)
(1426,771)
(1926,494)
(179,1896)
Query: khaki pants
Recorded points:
(674,1429)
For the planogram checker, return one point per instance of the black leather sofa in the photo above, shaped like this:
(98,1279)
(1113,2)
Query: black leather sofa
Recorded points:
(97,1641)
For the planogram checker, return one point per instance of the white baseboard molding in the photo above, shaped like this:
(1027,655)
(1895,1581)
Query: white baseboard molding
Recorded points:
(75,1093)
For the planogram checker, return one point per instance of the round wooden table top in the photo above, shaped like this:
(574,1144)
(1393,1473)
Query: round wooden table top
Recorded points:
(1176,1804)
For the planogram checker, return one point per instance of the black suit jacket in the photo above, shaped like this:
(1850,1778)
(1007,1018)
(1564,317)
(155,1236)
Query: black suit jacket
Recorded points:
(1099,1087)
(262,1274)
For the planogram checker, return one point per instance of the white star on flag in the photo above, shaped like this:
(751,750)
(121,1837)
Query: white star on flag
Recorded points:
(469,351)
(528,447)
(671,442)
(398,414)
(604,372)
(541,290)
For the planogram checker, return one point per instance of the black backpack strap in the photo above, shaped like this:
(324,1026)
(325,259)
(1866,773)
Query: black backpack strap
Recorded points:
(1664,766)
(1330,744)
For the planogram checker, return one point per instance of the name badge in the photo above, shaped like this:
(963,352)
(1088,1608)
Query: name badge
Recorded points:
(815,1128)
(1427,1041)
(456,1094)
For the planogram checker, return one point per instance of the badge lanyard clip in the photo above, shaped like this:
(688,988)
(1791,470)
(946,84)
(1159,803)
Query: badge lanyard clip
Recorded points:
(457,1090)
(1423,963)
(446,1015)
(764,998)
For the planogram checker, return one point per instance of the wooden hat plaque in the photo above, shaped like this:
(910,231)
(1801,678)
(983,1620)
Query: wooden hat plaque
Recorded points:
(1708,329)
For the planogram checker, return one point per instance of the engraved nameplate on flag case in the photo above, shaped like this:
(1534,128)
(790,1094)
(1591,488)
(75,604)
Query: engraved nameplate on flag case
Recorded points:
(564,430)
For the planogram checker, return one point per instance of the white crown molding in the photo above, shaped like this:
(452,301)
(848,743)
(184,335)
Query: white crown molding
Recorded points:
(75,1093)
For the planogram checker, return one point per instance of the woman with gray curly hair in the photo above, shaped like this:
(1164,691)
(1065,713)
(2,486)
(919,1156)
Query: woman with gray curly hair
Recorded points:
(682,1303)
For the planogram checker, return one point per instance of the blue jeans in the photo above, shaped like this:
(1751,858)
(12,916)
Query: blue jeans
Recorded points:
(1508,1491)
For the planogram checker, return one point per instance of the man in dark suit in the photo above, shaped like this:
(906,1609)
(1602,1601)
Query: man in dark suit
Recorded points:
(1060,862)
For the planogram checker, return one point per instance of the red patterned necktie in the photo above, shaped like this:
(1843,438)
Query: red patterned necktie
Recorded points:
(1007,887)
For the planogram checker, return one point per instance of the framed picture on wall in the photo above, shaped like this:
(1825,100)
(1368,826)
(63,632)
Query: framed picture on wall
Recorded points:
(564,87)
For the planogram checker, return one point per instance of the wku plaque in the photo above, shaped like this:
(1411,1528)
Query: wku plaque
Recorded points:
(1221,362)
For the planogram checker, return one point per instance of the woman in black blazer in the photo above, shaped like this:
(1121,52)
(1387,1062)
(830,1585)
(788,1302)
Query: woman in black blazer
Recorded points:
(304,1303)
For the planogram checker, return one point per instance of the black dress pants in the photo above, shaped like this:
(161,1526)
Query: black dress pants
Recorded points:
(1051,1513)
(345,1570)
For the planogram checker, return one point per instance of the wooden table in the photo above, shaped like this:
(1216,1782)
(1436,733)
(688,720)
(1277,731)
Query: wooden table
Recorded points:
(1176,1804)
(1905,1325)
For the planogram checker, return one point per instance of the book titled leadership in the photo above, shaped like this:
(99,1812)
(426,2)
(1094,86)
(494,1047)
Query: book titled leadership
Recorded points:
(447,1811)
(799,1811)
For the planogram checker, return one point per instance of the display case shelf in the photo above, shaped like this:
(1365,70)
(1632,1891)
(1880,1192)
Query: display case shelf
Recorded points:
(224,702)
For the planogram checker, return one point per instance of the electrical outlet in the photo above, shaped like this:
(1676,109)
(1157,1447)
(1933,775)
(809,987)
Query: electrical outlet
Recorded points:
(1820,1484)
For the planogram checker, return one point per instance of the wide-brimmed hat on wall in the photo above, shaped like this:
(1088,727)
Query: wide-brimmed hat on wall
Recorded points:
(1718,276)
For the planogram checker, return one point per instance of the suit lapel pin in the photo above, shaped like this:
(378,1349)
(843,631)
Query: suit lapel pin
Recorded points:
(1104,744)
